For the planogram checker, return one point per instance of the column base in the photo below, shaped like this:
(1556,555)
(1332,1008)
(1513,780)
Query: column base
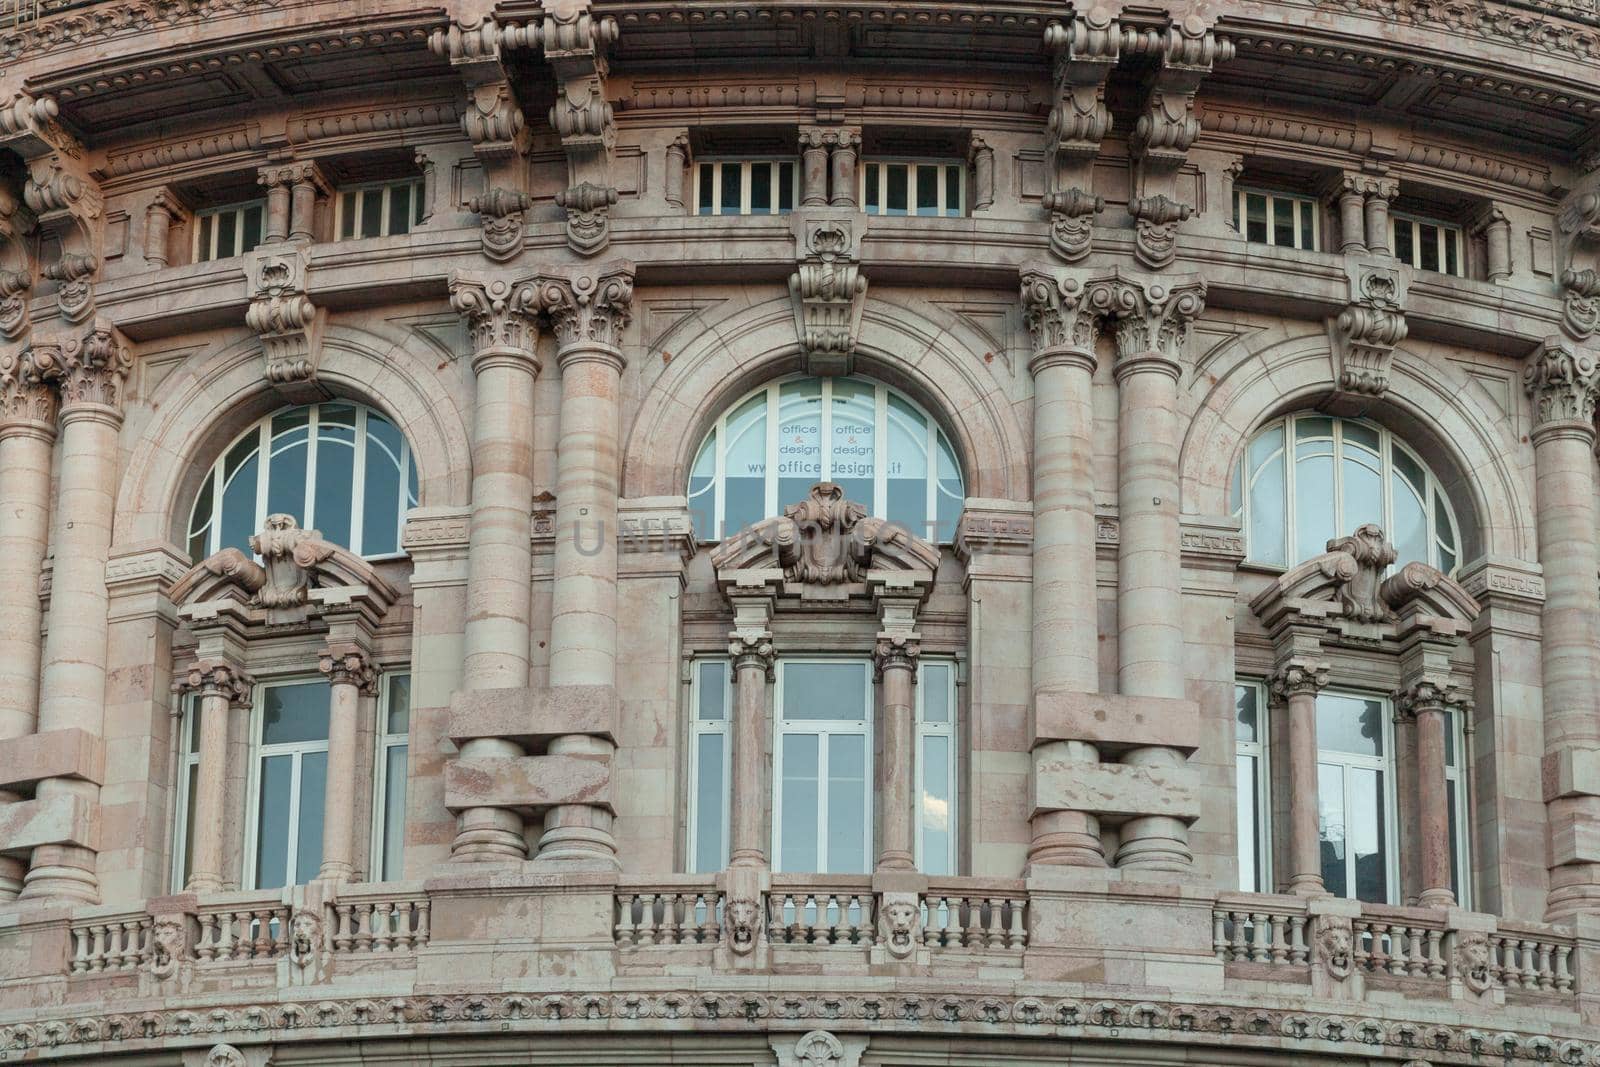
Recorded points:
(576,847)
(896,860)
(12,872)
(1436,898)
(61,872)
(491,835)
(1155,843)
(1065,839)
(1574,890)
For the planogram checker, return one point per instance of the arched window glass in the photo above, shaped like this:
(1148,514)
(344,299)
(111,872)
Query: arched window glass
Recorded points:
(773,445)
(1308,478)
(337,467)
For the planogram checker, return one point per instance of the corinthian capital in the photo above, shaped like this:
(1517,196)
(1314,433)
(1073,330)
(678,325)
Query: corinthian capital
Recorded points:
(96,365)
(217,678)
(502,313)
(1561,378)
(1298,676)
(28,380)
(1152,320)
(1431,694)
(1058,317)
(347,664)
(589,309)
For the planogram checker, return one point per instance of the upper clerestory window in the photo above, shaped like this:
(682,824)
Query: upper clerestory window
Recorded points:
(378,209)
(746,187)
(1427,244)
(914,187)
(233,230)
(1278,219)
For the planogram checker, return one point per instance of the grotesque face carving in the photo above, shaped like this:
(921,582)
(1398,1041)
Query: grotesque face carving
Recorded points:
(897,925)
(305,932)
(1472,961)
(1334,941)
(742,925)
(166,946)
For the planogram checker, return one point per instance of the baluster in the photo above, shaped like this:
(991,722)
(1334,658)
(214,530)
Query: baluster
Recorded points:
(1399,954)
(1258,938)
(1219,941)
(240,935)
(80,950)
(341,928)
(936,931)
(1298,951)
(1546,975)
(274,939)
(1019,924)
(405,916)
(422,921)
(868,929)
(1376,955)
(1238,949)
(383,913)
(97,955)
(1277,943)
(627,931)
(774,917)
(990,908)
(1530,973)
(972,928)
(1563,978)
(1502,950)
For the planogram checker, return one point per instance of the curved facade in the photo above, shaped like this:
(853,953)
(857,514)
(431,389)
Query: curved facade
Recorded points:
(799,534)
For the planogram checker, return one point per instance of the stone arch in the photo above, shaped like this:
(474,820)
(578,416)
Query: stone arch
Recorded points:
(1449,418)
(209,401)
(931,356)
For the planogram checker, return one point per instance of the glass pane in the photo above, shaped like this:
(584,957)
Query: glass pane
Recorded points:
(1265,447)
(1428,246)
(397,716)
(371,201)
(1312,428)
(272,826)
(394,813)
(1255,217)
(188,825)
(1236,489)
(785,187)
(1404,248)
(294,712)
(336,473)
(399,210)
(1245,712)
(927,190)
(953,203)
(744,492)
(824,690)
(936,692)
(1443,529)
(239,499)
(313,790)
(1249,876)
(702,486)
(1450,795)
(1408,468)
(710,792)
(347,215)
(227,234)
(732,192)
(798,782)
(1452,263)
(200,520)
(707,177)
(950,494)
(897,193)
(286,470)
(1268,516)
(1363,436)
(906,467)
(1363,490)
(799,439)
(936,805)
(848,804)
(1283,222)
(203,253)
(871,182)
(761,188)
(1313,504)
(1308,224)
(252,228)
(1365,831)
(713,691)
(1349,724)
(1410,533)
(852,448)
(1330,824)
(380,496)
(194,726)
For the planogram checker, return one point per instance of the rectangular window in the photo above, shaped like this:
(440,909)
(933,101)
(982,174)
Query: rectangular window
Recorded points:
(1276,219)
(1455,784)
(1427,244)
(914,187)
(711,700)
(745,187)
(1355,786)
(1250,743)
(289,773)
(389,778)
(220,232)
(381,209)
(188,778)
(822,756)
(936,767)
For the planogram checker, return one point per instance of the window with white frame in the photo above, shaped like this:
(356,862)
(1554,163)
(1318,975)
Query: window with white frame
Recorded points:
(1254,808)
(914,187)
(935,788)
(379,209)
(822,757)
(1427,244)
(340,468)
(188,779)
(1355,797)
(1276,219)
(289,777)
(389,777)
(1460,826)
(220,232)
(771,446)
(711,700)
(1308,478)
(746,187)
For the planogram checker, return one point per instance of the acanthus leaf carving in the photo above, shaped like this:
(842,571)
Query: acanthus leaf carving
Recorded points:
(1359,585)
(1365,333)
(502,313)
(95,367)
(1561,378)
(29,378)
(1057,315)
(500,213)
(589,308)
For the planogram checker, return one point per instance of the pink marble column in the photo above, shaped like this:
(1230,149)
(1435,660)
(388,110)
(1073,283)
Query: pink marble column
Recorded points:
(501,314)
(28,405)
(895,659)
(588,309)
(1429,704)
(747,830)
(1294,688)
(275,180)
(846,148)
(220,688)
(351,676)
(813,168)
(73,683)
(1352,205)
(1379,192)
(158,219)
(307,183)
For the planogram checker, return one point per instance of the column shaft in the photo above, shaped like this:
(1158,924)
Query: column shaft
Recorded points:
(896,851)
(303,203)
(1352,227)
(813,169)
(338,806)
(748,795)
(1433,813)
(1304,876)
(208,810)
(1378,223)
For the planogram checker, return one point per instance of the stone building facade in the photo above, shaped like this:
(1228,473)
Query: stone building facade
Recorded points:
(794,533)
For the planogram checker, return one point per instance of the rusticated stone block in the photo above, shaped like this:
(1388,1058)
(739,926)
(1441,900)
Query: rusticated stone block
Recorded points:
(71,753)
(1113,791)
(533,716)
(1115,722)
(1574,838)
(58,820)
(1572,772)
(528,782)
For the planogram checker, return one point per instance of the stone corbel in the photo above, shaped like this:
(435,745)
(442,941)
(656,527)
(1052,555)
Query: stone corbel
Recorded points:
(287,322)
(828,291)
(1580,280)
(17,267)
(1363,336)
(493,120)
(500,214)
(1086,49)
(575,43)
(1155,228)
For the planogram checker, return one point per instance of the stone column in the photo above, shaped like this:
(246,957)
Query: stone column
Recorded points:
(501,315)
(307,184)
(1561,379)
(1065,634)
(72,687)
(1294,687)
(677,167)
(895,660)
(158,220)
(351,676)
(1379,192)
(275,180)
(220,687)
(1497,244)
(751,649)
(1352,207)
(813,167)
(588,309)
(846,147)
(28,405)
(1152,323)
(1429,704)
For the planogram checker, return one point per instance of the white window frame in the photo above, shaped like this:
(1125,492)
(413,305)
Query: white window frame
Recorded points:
(183,803)
(697,728)
(828,728)
(925,730)
(383,742)
(386,189)
(1387,441)
(1448,232)
(260,752)
(358,488)
(912,165)
(1455,771)
(1302,206)
(745,167)
(216,214)
(1258,750)
(1385,765)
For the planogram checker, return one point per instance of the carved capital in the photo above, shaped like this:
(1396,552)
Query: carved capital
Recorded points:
(752,648)
(896,652)
(1151,320)
(1155,228)
(1072,214)
(502,314)
(96,366)
(215,678)
(1058,317)
(1365,333)
(499,214)
(1431,695)
(348,665)
(29,378)
(589,310)
(588,206)
(1561,379)
(1298,676)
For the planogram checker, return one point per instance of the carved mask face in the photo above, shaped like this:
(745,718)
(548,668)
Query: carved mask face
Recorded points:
(742,915)
(900,920)
(1335,945)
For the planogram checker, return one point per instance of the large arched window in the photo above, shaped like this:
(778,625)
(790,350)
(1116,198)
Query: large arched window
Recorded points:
(337,467)
(1307,478)
(774,444)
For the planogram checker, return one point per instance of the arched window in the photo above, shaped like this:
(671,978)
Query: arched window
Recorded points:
(1307,478)
(338,467)
(774,444)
